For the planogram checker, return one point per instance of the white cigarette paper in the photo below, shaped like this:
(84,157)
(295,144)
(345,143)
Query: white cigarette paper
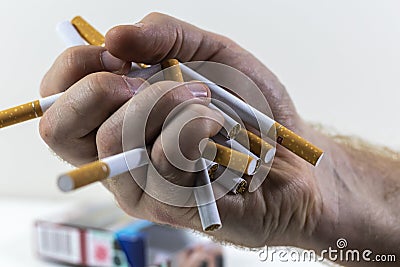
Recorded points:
(246,112)
(68,34)
(232,182)
(114,166)
(231,127)
(207,207)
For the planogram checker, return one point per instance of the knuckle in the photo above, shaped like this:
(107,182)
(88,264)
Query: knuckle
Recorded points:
(104,84)
(71,58)
(155,15)
(108,139)
(44,88)
(158,157)
(47,131)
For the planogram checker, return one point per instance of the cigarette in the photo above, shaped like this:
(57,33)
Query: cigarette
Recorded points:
(230,158)
(68,34)
(87,31)
(102,169)
(172,71)
(233,144)
(207,207)
(256,145)
(259,120)
(27,111)
(91,35)
(283,136)
(231,181)
(223,155)
(203,193)
(212,168)
(231,128)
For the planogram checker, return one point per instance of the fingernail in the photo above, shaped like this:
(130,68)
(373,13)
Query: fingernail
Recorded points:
(133,83)
(111,63)
(198,90)
(138,24)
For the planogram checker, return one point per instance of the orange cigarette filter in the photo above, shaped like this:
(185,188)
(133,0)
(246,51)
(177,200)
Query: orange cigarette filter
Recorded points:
(230,158)
(212,170)
(85,175)
(87,31)
(171,70)
(20,113)
(255,144)
(296,144)
(91,35)
(242,187)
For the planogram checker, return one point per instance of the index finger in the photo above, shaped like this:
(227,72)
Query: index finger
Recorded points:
(77,62)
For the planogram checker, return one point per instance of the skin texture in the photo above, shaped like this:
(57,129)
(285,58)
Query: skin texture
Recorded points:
(297,204)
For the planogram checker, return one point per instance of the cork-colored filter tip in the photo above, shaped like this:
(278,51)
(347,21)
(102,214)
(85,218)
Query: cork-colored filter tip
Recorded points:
(85,175)
(298,145)
(241,189)
(172,71)
(87,31)
(230,158)
(20,113)
(212,228)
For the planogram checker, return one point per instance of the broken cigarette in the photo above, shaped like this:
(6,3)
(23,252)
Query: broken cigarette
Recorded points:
(172,71)
(207,207)
(231,128)
(230,158)
(212,168)
(259,120)
(256,145)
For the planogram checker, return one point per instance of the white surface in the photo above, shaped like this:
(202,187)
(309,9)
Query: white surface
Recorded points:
(340,62)
(17,250)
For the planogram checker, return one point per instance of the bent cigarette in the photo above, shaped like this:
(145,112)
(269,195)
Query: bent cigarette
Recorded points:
(256,145)
(233,144)
(27,111)
(231,182)
(230,158)
(103,169)
(259,120)
(207,207)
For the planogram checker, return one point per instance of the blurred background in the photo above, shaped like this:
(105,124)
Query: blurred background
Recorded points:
(340,62)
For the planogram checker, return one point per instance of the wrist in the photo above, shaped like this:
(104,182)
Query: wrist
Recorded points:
(353,203)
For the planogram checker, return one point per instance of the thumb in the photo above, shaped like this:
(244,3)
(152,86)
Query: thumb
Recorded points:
(158,37)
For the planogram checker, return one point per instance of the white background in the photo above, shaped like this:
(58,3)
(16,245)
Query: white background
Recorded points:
(338,59)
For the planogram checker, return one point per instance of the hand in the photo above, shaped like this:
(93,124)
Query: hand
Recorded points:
(86,123)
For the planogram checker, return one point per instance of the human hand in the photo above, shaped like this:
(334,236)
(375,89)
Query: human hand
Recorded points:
(285,210)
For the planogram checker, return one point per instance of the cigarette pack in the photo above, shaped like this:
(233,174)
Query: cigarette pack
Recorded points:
(102,235)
